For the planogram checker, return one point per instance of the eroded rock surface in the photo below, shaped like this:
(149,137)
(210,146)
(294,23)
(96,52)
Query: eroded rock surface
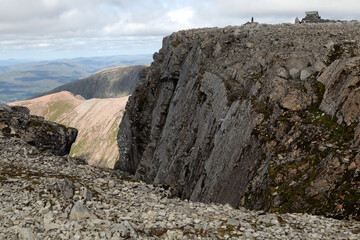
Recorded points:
(261,116)
(33,206)
(46,136)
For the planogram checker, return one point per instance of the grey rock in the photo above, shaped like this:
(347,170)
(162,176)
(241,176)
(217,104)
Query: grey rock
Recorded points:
(304,75)
(25,233)
(294,73)
(66,187)
(79,212)
(211,126)
(46,136)
(86,194)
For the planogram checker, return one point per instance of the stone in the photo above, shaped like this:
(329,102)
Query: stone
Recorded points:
(86,194)
(48,221)
(111,184)
(79,212)
(294,73)
(66,188)
(46,136)
(252,170)
(304,75)
(192,102)
(25,233)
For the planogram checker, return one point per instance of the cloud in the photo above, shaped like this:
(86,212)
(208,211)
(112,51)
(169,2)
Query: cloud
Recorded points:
(118,26)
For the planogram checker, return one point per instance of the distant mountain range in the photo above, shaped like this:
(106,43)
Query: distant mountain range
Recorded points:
(107,83)
(96,119)
(27,79)
(97,122)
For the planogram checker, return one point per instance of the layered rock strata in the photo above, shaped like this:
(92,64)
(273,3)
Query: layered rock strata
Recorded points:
(261,116)
(46,136)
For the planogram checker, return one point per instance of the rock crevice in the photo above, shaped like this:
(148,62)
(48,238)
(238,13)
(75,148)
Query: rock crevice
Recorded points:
(252,117)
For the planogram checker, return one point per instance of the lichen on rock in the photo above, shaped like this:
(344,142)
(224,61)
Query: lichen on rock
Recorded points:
(261,116)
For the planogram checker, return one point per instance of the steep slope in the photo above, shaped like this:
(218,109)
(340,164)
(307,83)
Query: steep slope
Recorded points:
(107,83)
(261,116)
(97,121)
(58,197)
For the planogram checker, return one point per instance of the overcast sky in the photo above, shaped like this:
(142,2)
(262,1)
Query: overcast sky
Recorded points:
(52,29)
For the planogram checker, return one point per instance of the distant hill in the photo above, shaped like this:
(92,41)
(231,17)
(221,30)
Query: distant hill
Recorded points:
(107,83)
(97,122)
(27,79)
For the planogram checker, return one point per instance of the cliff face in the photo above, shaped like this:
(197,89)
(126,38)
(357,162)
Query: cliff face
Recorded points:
(46,136)
(108,83)
(97,121)
(261,116)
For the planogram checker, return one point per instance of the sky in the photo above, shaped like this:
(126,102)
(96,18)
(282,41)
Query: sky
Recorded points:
(54,29)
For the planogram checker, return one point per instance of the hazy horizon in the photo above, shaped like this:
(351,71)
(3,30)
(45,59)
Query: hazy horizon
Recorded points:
(28,60)
(62,29)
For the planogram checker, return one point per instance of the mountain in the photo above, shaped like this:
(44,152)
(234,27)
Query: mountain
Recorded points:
(107,83)
(22,81)
(260,116)
(46,196)
(96,120)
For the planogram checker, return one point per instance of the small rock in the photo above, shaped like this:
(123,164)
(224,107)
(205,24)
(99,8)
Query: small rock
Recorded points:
(66,187)
(304,75)
(294,73)
(79,212)
(111,184)
(85,193)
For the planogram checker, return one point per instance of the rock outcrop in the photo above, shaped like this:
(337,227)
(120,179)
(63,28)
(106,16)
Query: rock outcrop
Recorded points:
(58,197)
(97,122)
(261,116)
(46,136)
(108,83)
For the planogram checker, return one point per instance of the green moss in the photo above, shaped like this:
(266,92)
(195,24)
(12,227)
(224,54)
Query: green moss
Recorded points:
(255,77)
(283,118)
(262,107)
(234,90)
(142,99)
(230,230)
(175,43)
(78,148)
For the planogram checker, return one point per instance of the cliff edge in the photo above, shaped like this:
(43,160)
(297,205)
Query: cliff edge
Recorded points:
(261,116)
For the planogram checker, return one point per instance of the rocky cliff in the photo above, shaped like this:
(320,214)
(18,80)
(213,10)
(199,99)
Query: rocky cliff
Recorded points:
(261,116)
(97,121)
(58,197)
(108,83)
(46,136)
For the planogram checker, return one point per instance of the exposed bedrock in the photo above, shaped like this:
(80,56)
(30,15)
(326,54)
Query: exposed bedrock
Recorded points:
(16,122)
(261,116)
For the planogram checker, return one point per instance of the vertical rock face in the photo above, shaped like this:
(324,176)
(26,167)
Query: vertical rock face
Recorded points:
(261,116)
(46,136)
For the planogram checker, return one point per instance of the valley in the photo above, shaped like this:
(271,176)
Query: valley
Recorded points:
(25,80)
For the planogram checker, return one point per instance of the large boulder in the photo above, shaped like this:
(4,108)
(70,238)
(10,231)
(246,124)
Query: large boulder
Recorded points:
(46,136)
